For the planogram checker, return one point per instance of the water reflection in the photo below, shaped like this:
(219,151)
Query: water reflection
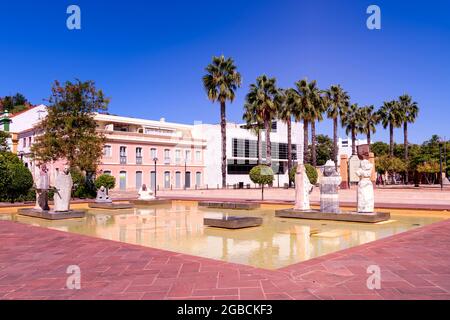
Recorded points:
(179,227)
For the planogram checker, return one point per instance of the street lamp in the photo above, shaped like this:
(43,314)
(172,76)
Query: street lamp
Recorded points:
(155,160)
(440,163)
(185,173)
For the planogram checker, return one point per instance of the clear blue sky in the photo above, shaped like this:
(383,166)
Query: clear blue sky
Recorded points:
(149,56)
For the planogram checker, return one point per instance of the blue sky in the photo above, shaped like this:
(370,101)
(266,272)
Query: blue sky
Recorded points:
(149,56)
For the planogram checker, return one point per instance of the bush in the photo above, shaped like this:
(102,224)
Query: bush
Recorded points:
(311,172)
(15,179)
(106,180)
(82,187)
(261,174)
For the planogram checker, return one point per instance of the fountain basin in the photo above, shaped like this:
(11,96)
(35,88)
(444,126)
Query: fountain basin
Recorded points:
(348,216)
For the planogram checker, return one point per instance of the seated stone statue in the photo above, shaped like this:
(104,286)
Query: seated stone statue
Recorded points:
(102,196)
(63,191)
(146,194)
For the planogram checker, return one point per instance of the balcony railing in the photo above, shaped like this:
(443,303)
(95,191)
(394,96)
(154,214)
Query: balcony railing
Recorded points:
(138,160)
(166,160)
(123,160)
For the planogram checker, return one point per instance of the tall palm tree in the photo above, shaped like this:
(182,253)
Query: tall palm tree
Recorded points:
(254,124)
(265,96)
(409,110)
(220,82)
(369,121)
(338,102)
(303,112)
(351,121)
(318,106)
(285,114)
(390,116)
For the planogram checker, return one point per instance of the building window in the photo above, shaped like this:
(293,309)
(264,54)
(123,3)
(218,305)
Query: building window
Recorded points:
(167,180)
(198,156)
(166,156)
(248,149)
(107,151)
(187,155)
(123,180)
(178,156)
(123,155)
(187,180)
(138,180)
(139,155)
(107,172)
(24,142)
(29,141)
(198,179)
(153,153)
(152,180)
(178,179)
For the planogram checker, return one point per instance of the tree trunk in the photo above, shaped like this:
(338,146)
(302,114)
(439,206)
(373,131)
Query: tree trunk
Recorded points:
(369,140)
(305,141)
(353,140)
(313,143)
(391,139)
(267,126)
(223,128)
(289,148)
(335,141)
(259,147)
(406,147)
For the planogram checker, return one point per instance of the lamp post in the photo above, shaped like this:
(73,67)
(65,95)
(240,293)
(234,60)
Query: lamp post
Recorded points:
(155,160)
(185,173)
(440,164)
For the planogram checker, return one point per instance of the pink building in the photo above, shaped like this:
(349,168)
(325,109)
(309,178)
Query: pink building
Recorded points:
(136,152)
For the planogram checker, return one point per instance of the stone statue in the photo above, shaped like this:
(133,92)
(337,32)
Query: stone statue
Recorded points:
(329,186)
(365,188)
(146,194)
(42,185)
(63,192)
(303,188)
(102,196)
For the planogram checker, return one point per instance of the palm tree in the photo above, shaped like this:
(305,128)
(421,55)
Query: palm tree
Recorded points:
(285,114)
(303,112)
(338,102)
(265,96)
(409,111)
(220,82)
(351,121)
(369,120)
(316,114)
(390,116)
(254,124)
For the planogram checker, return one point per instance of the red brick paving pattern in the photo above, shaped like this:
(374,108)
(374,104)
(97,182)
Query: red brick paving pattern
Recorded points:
(33,263)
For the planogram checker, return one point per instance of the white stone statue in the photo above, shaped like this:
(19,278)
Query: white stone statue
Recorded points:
(366,199)
(303,188)
(63,192)
(145,193)
(102,196)
(42,185)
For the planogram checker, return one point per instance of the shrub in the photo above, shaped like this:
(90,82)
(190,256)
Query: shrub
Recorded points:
(15,179)
(311,172)
(82,187)
(106,180)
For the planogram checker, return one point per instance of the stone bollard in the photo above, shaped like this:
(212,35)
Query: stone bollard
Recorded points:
(329,189)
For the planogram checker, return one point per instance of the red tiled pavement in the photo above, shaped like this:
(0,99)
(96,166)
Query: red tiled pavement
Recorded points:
(33,263)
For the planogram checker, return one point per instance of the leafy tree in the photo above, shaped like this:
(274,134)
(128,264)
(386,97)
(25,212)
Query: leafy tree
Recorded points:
(379,148)
(69,130)
(324,149)
(266,98)
(106,180)
(262,175)
(4,136)
(390,165)
(430,171)
(15,179)
(409,111)
(337,101)
(311,172)
(220,82)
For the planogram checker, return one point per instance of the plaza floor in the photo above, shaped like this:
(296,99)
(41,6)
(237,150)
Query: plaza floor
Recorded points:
(33,264)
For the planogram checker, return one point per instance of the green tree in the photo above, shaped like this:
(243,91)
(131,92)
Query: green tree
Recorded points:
(285,114)
(106,180)
(379,148)
(4,136)
(351,121)
(266,98)
(311,172)
(337,101)
(220,82)
(391,117)
(15,179)
(324,149)
(262,175)
(369,121)
(303,112)
(409,111)
(69,130)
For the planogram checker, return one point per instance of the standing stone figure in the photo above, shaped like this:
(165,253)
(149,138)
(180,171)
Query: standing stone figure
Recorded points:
(63,193)
(366,197)
(303,188)
(145,193)
(329,187)
(42,184)
(102,196)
